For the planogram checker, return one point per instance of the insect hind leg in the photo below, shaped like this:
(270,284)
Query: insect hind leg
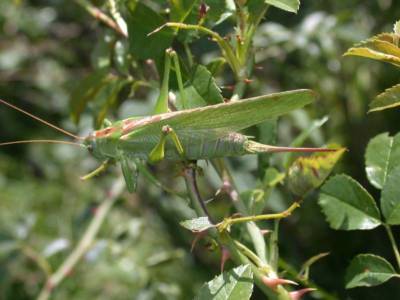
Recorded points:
(158,152)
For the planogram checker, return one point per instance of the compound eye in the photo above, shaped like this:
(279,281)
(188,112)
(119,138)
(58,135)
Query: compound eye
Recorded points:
(90,148)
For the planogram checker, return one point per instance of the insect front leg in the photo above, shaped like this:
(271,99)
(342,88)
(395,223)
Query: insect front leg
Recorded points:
(96,172)
(158,152)
(130,172)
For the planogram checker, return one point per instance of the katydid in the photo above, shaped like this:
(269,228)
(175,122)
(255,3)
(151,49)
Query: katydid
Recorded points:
(192,134)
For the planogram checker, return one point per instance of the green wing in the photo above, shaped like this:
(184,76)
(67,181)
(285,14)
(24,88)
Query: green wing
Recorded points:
(216,121)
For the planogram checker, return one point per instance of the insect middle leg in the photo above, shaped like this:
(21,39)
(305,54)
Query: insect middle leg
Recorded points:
(158,152)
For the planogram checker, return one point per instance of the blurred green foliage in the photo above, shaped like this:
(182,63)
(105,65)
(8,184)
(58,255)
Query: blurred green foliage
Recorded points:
(48,46)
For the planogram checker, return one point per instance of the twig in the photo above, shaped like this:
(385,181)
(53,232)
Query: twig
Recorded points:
(289,269)
(191,184)
(101,16)
(85,243)
(229,184)
(276,216)
(117,17)
(226,241)
(393,243)
(38,259)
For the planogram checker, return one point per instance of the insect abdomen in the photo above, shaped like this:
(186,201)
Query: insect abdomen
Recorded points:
(195,148)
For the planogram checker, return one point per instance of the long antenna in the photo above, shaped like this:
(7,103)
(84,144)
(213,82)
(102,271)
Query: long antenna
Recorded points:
(41,120)
(41,141)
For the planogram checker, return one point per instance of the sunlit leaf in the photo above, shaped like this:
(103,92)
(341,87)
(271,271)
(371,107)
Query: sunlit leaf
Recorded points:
(205,85)
(236,284)
(288,5)
(308,173)
(347,205)
(141,21)
(198,224)
(368,270)
(388,99)
(382,47)
(390,200)
(382,155)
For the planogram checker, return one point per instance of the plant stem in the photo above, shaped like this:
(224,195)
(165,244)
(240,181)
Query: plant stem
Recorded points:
(225,240)
(101,16)
(276,216)
(289,269)
(85,243)
(394,245)
(224,45)
(229,184)
(194,194)
(249,254)
(117,17)
(37,258)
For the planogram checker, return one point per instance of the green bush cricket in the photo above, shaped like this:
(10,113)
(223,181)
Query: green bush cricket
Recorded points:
(187,135)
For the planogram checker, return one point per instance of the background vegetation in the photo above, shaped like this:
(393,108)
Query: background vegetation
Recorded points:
(48,47)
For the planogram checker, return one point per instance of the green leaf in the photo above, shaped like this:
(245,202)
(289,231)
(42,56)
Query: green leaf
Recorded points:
(254,200)
(368,270)
(141,21)
(236,284)
(288,5)
(382,47)
(388,99)
(205,85)
(347,205)
(382,155)
(308,173)
(106,97)
(390,199)
(198,224)
(192,99)
(86,90)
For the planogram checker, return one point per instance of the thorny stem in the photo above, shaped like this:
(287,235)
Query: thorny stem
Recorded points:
(85,243)
(37,258)
(224,45)
(194,194)
(101,16)
(224,239)
(276,216)
(117,16)
(249,254)
(229,184)
(394,245)
(289,269)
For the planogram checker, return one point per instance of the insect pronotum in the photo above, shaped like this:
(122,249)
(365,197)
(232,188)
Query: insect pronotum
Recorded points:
(192,134)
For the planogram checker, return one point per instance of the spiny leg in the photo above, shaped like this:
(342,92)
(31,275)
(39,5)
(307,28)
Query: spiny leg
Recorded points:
(158,152)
